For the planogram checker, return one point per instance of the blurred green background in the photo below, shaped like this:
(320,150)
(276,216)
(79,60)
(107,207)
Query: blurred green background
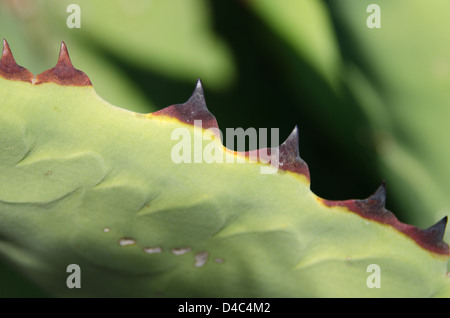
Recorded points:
(371,104)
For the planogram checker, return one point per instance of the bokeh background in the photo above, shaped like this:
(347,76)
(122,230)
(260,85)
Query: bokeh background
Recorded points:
(371,104)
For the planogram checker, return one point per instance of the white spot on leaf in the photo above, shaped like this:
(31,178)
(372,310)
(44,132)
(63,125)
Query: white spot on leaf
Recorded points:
(181,250)
(127,241)
(201,258)
(153,250)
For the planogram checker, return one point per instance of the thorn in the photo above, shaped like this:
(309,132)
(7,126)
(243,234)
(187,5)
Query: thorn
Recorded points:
(199,87)
(64,73)
(6,50)
(9,69)
(437,231)
(291,145)
(63,57)
(193,109)
(197,100)
(290,155)
(378,199)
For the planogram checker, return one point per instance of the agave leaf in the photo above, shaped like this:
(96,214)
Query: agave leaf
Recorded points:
(83,182)
(306,26)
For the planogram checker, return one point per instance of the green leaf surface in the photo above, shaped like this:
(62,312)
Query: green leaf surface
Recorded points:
(84,182)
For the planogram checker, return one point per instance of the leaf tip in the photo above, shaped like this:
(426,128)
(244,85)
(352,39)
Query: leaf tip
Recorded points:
(63,57)
(199,87)
(197,102)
